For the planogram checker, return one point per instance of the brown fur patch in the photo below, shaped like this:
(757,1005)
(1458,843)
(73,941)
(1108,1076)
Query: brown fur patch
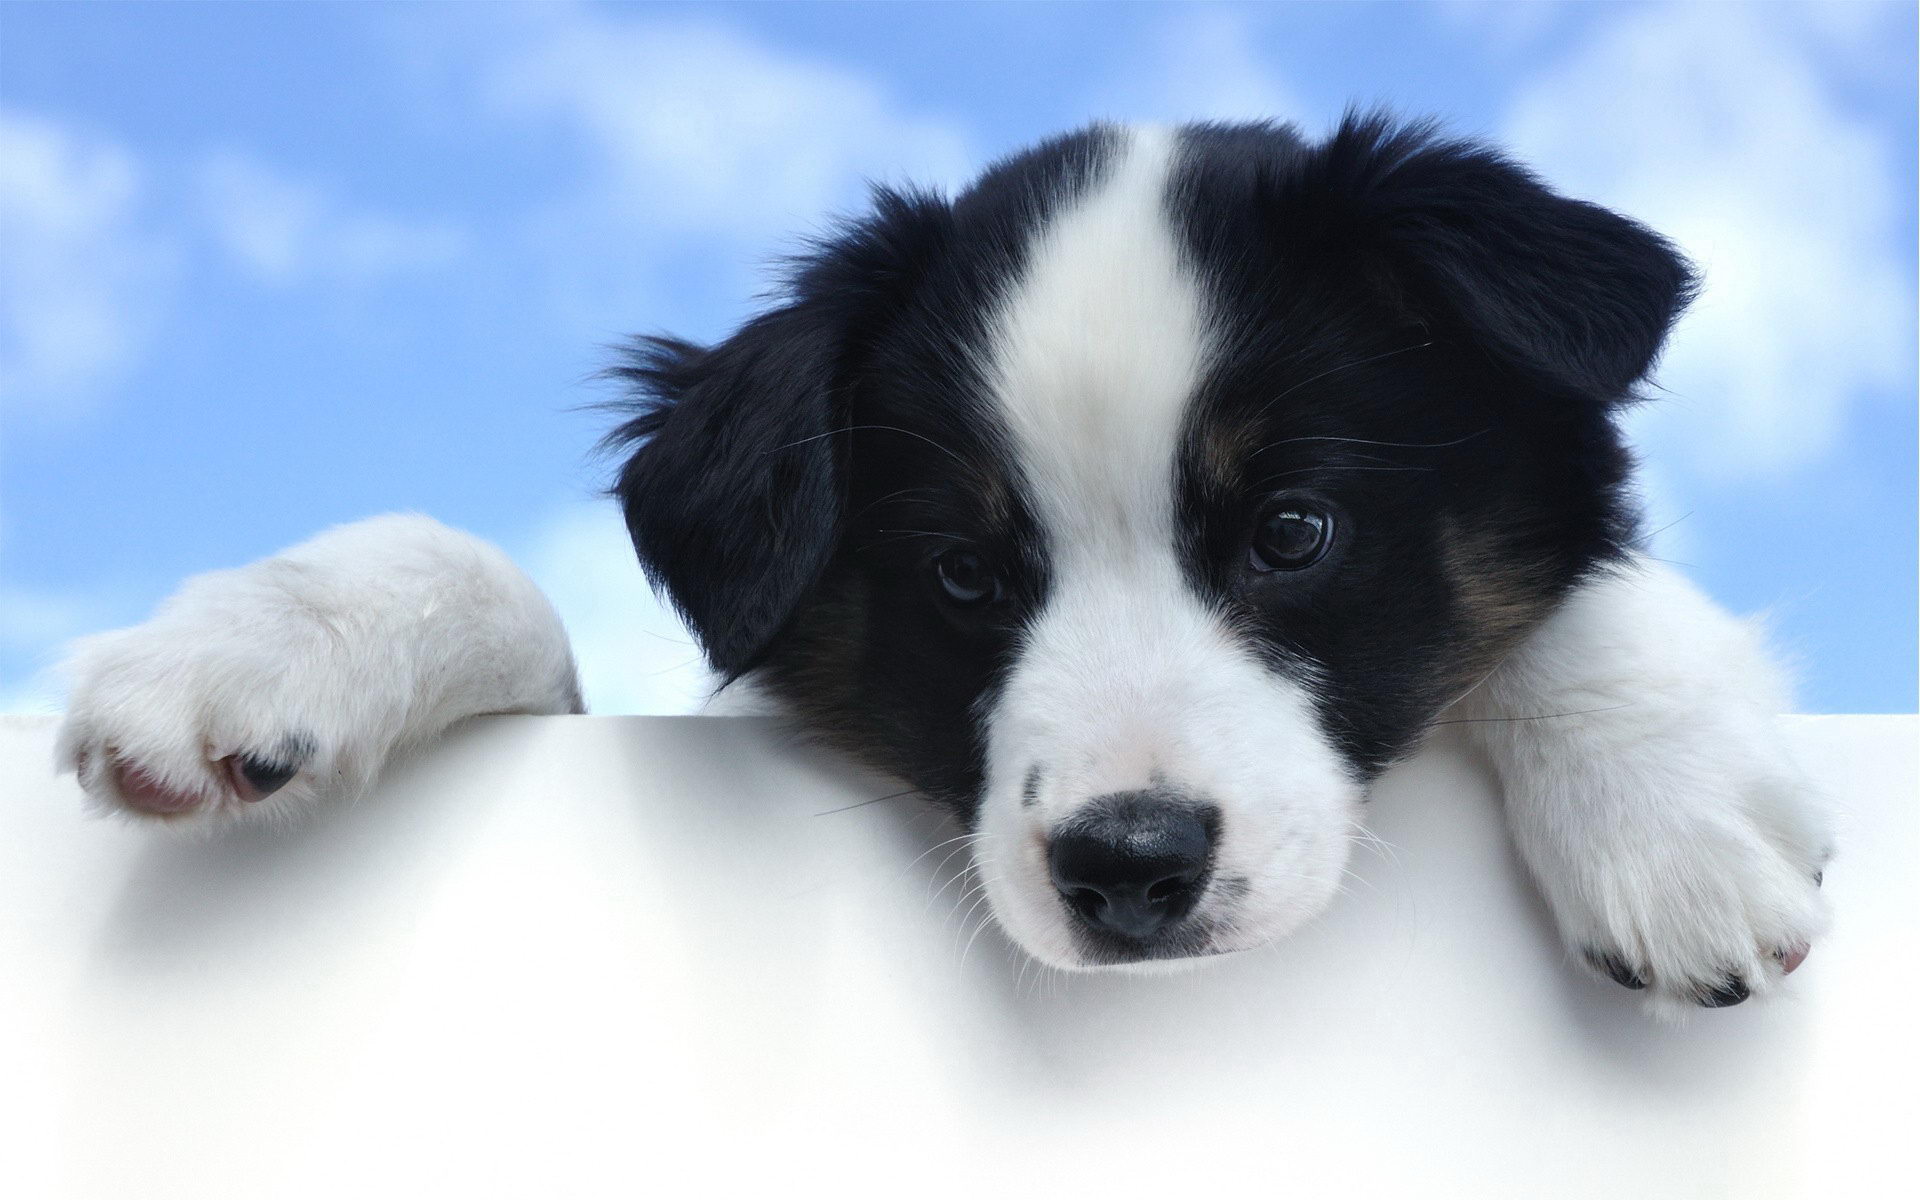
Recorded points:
(1498,599)
(1220,453)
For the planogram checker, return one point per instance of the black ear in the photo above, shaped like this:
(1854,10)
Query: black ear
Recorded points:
(1478,247)
(734,494)
(733,499)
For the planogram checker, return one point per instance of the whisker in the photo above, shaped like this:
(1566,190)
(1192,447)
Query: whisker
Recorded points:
(1538,717)
(908,536)
(881,428)
(1481,720)
(1329,467)
(1315,437)
(675,667)
(889,498)
(1335,370)
(663,637)
(1363,882)
(978,893)
(969,886)
(1375,842)
(957,876)
(978,930)
(941,869)
(978,898)
(930,849)
(863,803)
(1646,539)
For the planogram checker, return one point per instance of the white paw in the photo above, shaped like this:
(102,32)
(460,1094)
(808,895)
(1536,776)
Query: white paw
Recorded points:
(234,700)
(1690,872)
(293,679)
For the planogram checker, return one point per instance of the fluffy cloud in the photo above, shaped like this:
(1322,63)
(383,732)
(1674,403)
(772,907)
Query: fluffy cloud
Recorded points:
(280,231)
(91,268)
(85,280)
(634,654)
(697,127)
(1715,125)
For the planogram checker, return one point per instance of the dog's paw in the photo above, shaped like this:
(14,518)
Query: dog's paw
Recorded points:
(219,708)
(1695,882)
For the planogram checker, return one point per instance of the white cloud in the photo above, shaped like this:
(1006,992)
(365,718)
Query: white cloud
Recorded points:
(635,656)
(83,282)
(1714,125)
(1204,65)
(281,231)
(696,127)
(89,268)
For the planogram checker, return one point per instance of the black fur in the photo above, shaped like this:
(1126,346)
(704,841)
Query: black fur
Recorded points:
(1431,343)
(1422,337)
(735,491)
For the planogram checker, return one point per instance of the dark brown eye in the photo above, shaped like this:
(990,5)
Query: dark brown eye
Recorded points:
(1292,534)
(966,579)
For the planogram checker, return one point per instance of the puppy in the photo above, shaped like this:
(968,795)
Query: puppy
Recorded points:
(1139,505)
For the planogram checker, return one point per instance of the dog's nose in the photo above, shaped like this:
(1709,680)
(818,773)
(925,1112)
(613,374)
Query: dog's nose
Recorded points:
(1133,863)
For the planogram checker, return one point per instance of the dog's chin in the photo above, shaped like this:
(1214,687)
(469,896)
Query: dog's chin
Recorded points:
(1082,952)
(1213,934)
(1176,964)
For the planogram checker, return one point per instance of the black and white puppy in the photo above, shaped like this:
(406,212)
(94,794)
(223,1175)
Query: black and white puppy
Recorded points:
(1139,504)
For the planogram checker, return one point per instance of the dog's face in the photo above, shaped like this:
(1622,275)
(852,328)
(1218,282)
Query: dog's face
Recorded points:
(1143,502)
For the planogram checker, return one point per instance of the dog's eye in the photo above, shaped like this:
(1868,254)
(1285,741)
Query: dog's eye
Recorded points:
(966,579)
(1292,534)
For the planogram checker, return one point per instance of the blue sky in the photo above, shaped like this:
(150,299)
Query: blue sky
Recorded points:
(266,268)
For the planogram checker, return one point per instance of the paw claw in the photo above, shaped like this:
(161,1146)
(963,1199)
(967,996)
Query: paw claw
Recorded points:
(256,778)
(1732,990)
(1613,968)
(1790,959)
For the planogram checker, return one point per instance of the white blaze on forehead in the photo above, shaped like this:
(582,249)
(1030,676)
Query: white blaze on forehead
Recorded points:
(1097,351)
(1127,677)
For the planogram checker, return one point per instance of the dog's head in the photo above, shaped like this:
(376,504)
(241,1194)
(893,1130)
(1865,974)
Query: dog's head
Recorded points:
(1145,500)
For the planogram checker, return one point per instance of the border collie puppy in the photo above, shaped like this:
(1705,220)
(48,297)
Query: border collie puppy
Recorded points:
(1139,505)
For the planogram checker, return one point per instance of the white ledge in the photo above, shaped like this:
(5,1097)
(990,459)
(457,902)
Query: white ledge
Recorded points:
(597,956)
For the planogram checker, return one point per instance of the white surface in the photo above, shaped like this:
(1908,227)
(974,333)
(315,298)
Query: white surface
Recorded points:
(612,956)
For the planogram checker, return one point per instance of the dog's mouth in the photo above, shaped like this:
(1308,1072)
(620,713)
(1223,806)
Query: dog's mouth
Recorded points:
(1192,940)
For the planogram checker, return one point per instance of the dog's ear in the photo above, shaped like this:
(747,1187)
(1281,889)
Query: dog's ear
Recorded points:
(734,490)
(1476,246)
(733,499)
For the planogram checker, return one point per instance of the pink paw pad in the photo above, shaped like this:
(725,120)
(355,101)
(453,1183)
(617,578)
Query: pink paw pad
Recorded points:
(142,791)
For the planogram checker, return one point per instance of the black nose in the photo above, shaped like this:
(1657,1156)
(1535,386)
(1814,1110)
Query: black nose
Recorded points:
(1133,863)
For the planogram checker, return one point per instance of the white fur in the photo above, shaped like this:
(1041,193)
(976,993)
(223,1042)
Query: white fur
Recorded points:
(1647,787)
(1126,677)
(364,639)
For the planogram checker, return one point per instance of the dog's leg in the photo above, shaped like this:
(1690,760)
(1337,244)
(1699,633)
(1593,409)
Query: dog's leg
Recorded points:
(1650,794)
(295,678)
